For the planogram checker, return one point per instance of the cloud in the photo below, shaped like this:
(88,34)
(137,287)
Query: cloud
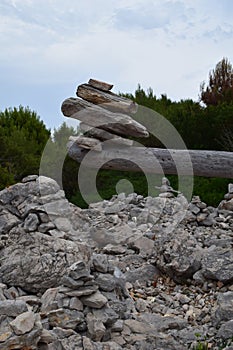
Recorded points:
(49,46)
(155,15)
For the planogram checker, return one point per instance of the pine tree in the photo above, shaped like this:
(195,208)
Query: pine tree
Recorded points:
(23,137)
(220,86)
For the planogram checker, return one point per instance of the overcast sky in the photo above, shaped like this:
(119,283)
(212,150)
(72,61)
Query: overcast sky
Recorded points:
(48,47)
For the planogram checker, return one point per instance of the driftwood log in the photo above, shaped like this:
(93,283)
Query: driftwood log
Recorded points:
(158,161)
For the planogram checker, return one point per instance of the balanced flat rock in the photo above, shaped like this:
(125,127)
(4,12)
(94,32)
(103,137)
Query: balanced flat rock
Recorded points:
(117,123)
(100,85)
(107,100)
(103,135)
(87,142)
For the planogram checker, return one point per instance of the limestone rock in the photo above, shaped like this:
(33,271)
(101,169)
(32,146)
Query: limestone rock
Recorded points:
(7,221)
(100,262)
(65,318)
(217,264)
(23,323)
(96,300)
(31,223)
(26,332)
(87,142)
(79,270)
(37,262)
(107,99)
(32,259)
(230,188)
(162,324)
(106,282)
(96,116)
(139,327)
(142,274)
(49,300)
(107,315)
(103,135)
(226,330)
(224,311)
(12,308)
(95,328)
(150,281)
(144,245)
(80,291)
(100,85)
(178,255)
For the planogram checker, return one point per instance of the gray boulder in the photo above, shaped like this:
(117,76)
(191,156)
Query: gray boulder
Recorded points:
(36,262)
(217,264)
(178,254)
(224,311)
(33,258)
(12,308)
(226,330)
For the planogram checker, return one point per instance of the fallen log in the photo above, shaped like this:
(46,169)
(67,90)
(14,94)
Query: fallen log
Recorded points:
(107,100)
(158,161)
(118,123)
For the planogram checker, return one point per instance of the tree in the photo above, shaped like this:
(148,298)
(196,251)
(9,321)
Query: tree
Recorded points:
(56,164)
(22,137)
(220,85)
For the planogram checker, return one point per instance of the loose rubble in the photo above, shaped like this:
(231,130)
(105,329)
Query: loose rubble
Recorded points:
(128,273)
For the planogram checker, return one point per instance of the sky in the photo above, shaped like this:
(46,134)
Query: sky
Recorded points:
(49,47)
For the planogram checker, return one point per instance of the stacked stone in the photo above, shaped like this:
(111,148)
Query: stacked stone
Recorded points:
(229,196)
(104,117)
(142,286)
(225,209)
(41,253)
(201,214)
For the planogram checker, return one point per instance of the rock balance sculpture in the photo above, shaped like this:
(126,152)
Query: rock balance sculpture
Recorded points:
(103,117)
(106,124)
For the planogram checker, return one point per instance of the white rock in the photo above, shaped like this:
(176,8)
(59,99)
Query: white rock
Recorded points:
(230,188)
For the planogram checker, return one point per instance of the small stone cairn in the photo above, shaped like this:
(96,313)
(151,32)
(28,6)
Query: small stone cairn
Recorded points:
(227,203)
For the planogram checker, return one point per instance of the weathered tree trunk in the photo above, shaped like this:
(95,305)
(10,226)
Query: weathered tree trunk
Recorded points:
(107,100)
(158,161)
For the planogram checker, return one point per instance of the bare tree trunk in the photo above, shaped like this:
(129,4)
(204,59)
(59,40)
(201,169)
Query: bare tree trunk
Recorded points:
(158,161)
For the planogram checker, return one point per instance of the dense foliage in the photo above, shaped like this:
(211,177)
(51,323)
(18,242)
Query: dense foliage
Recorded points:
(23,138)
(56,164)
(220,85)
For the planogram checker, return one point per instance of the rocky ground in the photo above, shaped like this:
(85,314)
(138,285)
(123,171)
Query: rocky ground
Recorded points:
(129,273)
